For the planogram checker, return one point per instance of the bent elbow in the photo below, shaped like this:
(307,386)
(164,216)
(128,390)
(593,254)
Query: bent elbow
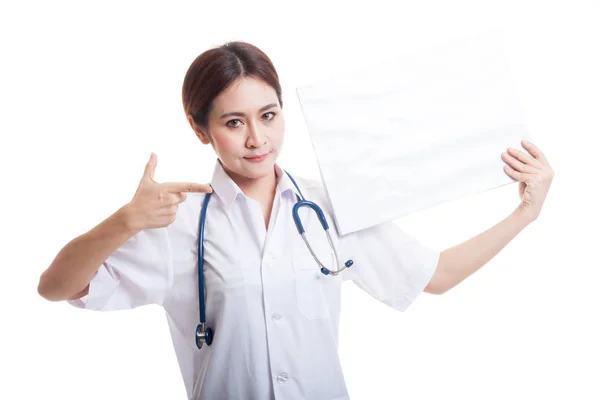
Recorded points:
(442,280)
(44,291)
(435,288)
(47,288)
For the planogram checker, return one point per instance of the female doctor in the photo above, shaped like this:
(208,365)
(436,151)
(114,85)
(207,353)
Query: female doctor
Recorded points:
(273,314)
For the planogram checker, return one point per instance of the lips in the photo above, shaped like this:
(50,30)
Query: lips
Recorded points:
(257,156)
(257,159)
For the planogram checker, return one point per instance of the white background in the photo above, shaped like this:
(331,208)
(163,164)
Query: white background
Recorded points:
(88,90)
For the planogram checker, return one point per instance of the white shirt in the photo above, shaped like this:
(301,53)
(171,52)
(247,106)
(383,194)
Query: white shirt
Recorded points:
(275,316)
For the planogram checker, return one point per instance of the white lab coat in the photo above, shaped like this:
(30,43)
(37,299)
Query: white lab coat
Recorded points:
(275,316)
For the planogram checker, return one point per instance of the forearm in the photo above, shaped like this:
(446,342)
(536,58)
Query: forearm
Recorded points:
(458,262)
(77,262)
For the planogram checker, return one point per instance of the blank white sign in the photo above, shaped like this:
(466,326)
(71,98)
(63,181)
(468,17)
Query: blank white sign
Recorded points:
(415,131)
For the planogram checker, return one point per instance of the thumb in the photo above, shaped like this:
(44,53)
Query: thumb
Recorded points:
(150,167)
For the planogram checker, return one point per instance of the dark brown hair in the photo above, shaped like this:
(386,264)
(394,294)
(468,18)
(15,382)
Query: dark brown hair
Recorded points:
(214,70)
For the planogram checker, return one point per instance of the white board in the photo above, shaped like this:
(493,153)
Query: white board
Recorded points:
(414,131)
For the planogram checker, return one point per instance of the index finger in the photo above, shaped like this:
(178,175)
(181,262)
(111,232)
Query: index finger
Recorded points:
(186,187)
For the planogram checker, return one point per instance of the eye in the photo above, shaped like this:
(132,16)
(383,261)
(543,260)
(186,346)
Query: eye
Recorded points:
(270,112)
(232,121)
(236,125)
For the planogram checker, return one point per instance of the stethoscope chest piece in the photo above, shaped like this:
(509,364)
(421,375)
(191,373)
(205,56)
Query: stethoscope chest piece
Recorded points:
(203,336)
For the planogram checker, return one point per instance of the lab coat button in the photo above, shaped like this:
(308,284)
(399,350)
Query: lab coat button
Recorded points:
(276,316)
(282,377)
(268,260)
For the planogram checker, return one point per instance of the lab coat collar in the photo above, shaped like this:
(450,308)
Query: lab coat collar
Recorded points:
(227,190)
(284,183)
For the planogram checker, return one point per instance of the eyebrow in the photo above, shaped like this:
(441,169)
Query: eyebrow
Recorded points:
(241,114)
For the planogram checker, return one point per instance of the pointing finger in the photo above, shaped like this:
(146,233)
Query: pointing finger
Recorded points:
(186,187)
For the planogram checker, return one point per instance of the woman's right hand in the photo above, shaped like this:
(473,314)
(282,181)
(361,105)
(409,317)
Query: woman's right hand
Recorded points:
(154,204)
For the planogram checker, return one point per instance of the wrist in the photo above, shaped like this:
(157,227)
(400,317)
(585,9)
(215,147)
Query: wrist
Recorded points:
(126,220)
(524,216)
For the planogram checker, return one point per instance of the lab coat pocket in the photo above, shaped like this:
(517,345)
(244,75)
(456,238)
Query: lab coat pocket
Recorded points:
(310,299)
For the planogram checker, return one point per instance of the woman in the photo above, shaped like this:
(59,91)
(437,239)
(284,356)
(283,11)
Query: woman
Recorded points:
(275,316)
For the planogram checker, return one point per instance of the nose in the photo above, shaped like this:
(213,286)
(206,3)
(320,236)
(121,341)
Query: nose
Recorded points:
(256,138)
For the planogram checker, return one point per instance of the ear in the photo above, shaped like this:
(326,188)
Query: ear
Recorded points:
(198,131)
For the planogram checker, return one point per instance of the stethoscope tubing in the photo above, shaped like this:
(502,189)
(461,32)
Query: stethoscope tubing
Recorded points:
(205,334)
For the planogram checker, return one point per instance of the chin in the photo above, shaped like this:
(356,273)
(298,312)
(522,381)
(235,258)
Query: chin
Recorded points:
(258,170)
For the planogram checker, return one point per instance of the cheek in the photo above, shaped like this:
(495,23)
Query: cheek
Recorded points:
(278,132)
(226,144)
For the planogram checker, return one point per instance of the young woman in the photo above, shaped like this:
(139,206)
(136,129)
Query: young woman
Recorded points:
(273,315)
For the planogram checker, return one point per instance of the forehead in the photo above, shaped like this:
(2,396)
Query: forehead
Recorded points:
(245,94)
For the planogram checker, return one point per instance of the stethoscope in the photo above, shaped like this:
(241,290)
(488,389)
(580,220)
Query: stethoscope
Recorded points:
(205,335)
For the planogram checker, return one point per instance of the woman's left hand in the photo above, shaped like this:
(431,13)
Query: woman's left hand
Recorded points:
(534,173)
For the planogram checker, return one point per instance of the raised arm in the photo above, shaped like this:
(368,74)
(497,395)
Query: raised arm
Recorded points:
(154,205)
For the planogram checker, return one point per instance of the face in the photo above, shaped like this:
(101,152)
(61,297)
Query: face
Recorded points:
(245,121)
